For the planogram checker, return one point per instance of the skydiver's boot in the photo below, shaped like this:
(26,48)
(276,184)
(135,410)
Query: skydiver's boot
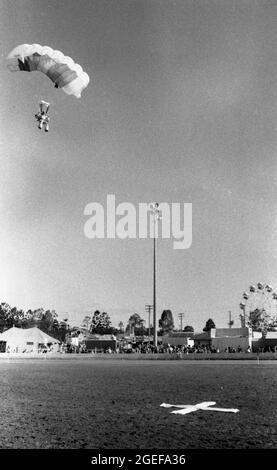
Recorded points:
(46,128)
(40,125)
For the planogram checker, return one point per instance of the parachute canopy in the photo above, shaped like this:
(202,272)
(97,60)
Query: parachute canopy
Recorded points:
(62,70)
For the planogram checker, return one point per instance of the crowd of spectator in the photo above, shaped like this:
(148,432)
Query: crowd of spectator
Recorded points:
(149,348)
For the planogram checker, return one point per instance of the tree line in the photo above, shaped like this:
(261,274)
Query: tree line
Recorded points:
(100,323)
(45,320)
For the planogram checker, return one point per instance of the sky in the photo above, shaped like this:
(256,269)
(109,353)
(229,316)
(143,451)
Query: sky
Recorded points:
(181,107)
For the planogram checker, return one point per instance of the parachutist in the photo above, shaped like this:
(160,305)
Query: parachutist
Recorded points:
(43,119)
(42,116)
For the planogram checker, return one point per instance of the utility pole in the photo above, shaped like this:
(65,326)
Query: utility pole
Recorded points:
(148,309)
(231,322)
(242,316)
(181,316)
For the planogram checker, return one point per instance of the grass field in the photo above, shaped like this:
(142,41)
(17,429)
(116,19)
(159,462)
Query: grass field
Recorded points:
(109,404)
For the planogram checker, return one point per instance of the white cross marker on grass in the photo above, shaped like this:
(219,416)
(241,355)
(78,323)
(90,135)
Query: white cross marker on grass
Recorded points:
(205,405)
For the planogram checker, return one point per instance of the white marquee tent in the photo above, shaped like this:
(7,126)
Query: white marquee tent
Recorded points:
(27,340)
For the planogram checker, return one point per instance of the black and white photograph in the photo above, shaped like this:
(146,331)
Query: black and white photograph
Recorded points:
(138,240)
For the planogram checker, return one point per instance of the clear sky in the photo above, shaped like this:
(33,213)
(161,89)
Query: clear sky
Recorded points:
(181,107)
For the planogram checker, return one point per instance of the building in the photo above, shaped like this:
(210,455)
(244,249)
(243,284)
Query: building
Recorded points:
(100,343)
(264,343)
(178,338)
(224,338)
(203,339)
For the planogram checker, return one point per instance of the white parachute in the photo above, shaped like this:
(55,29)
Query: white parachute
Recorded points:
(61,69)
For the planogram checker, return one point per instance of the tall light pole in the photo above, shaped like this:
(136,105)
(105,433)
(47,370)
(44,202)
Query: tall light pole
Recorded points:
(148,309)
(156,214)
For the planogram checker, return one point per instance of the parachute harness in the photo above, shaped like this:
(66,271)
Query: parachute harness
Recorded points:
(42,116)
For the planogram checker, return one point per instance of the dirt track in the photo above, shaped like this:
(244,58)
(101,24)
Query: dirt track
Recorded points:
(116,404)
